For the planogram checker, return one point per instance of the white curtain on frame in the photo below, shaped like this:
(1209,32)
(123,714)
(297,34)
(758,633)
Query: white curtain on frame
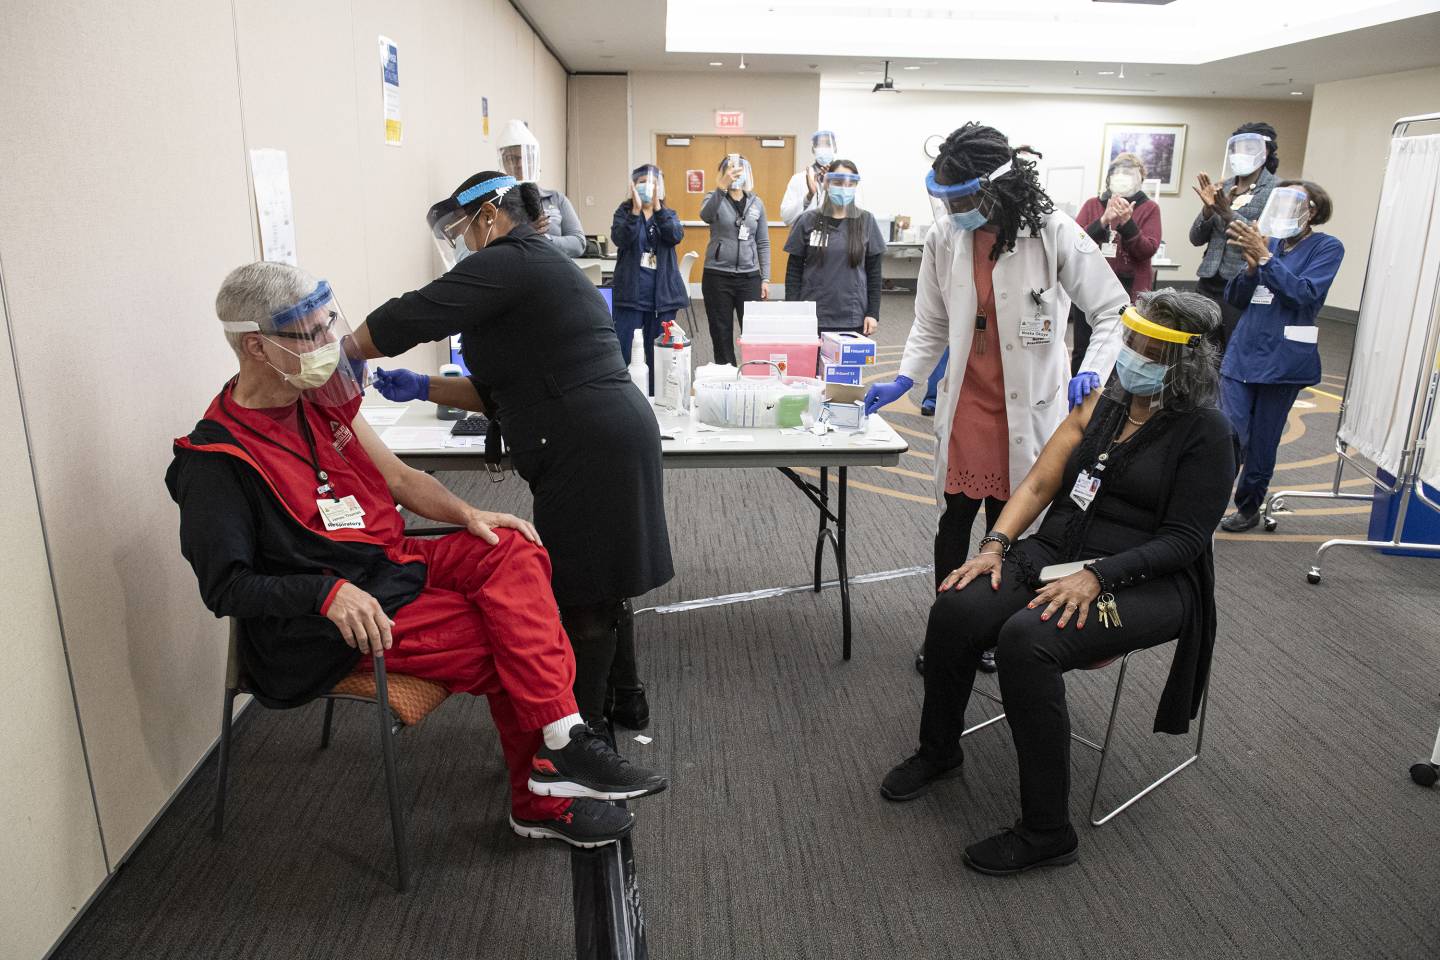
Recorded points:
(1396,306)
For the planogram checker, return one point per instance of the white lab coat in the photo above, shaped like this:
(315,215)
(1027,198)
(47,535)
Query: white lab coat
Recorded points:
(1064,264)
(793,203)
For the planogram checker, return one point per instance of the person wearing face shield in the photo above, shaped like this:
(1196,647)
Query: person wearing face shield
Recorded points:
(737,258)
(288,515)
(1130,485)
(546,366)
(519,155)
(1126,224)
(806,189)
(998,273)
(1248,175)
(835,252)
(647,289)
(1274,352)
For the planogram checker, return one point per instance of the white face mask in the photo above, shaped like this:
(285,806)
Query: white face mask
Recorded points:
(316,366)
(1123,184)
(1244,164)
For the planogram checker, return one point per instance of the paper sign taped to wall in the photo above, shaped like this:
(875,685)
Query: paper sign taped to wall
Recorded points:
(694,181)
(390,89)
(270,180)
(485,117)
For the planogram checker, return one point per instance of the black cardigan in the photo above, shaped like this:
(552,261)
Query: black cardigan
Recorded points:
(1201,460)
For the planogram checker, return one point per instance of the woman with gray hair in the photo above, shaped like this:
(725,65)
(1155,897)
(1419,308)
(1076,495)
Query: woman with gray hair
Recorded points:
(1132,486)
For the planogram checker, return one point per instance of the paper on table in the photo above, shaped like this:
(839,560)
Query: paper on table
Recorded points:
(465,442)
(415,438)
(382,416)
(721,438)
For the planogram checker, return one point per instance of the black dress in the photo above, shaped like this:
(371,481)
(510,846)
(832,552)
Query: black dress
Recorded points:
(538,339)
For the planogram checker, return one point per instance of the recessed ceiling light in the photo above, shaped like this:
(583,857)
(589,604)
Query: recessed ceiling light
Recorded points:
(1107,73)
(910,68)
(1297,93)
(717,63)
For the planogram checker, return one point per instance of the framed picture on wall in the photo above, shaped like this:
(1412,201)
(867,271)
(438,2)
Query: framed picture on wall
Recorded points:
(1160,145)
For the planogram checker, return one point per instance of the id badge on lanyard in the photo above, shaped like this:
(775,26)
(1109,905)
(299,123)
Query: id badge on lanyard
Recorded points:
(343,514)
(1085,490)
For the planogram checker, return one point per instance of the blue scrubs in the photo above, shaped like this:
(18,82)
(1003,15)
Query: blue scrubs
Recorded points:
(642,314)
(1274,352)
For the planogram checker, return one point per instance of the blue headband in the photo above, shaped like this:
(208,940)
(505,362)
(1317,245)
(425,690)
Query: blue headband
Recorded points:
(498,184)
(951,191)
(289,315)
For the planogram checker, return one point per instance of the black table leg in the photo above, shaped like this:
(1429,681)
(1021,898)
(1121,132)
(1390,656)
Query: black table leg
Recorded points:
(819,495)
(824,504)
(843,482)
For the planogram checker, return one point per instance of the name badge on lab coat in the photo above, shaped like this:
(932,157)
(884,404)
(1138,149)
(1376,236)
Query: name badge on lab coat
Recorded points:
(1085,489)
(1263,296)
(745,231)
(1109,250)
(343,514)
(647,260)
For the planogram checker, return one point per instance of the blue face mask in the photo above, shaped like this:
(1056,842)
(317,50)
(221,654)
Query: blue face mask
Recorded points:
(1141,377)
(823,158)
(842,196)
(461,249)
(644,191)
(969,220)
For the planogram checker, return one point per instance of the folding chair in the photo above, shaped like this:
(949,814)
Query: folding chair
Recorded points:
(400,701)
(1104,747)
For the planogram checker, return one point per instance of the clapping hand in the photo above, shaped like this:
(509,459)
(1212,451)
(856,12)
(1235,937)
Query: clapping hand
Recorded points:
(1248,241)
(1206,191)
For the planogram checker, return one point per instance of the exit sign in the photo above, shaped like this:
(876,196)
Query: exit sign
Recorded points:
(729,120)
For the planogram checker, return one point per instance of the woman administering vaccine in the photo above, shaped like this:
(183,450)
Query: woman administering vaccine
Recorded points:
(998,273)
(647,289)
(835,253)
(737,258)
(1275,350)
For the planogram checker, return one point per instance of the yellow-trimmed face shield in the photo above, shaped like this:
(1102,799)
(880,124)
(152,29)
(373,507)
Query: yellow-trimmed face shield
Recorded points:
(1148,352)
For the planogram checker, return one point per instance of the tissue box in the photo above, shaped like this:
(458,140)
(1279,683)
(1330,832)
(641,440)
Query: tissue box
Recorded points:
(843,373)
(847,348)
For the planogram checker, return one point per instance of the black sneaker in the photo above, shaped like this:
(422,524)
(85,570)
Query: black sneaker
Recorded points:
(915,775)
(927,409)
(1238,522)
(589,767)
(585,823)
(1008,852)
(987,661)
(628,707)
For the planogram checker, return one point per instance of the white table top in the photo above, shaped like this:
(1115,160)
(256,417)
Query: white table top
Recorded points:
(420,440)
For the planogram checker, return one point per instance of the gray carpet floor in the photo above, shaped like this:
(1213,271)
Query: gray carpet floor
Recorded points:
(1298,834)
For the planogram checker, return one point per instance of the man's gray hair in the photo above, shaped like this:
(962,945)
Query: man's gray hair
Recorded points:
(255,292)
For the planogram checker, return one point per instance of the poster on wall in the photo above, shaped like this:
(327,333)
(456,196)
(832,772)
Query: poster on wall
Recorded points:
(694,181)
(485,117)
(1160,146)
(270,179)
(390,89)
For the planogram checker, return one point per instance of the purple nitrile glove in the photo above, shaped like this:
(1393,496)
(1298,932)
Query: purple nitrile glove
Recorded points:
(402,385)
(883,394)
(1082,386)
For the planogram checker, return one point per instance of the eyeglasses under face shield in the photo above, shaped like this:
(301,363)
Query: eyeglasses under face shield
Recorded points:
(967,205)
(310,345)
(449,219)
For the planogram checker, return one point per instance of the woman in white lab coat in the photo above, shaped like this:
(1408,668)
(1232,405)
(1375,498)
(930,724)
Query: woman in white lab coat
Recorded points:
(999,271)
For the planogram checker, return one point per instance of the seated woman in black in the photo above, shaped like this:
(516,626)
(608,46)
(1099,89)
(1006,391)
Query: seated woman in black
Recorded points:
(1136,480)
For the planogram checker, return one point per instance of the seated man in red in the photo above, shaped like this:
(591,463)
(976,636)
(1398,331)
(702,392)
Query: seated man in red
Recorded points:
(288,516)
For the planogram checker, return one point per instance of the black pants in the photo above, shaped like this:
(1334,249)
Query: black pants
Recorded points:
(1033,656)
(603,637)
(1080,328)
(725,297)
(1213,288)
(952,538)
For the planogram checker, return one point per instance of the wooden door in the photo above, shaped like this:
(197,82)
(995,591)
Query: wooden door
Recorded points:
(772,166)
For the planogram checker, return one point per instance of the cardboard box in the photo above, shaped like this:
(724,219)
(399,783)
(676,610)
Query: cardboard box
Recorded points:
(840,346)
(842,373)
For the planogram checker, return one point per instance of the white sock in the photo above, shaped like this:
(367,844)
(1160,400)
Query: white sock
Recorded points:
(557,733)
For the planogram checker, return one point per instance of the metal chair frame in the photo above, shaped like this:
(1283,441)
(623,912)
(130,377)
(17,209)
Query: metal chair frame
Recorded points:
(389,725)
(1104,747)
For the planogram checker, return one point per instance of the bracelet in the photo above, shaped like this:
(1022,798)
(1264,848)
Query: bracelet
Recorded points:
(1105,585)
(993,537)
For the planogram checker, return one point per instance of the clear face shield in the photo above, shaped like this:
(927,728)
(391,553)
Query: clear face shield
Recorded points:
(519,152)
(1124,180)
(1286,213)
(1149,353)
(822,146)
(649,184)
(309,345)
(964,206)
(449,220)
(1244,154)
(737,169)
(839,199)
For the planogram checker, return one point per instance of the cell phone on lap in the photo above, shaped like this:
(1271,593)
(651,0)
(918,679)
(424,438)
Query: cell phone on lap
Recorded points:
(1059,571)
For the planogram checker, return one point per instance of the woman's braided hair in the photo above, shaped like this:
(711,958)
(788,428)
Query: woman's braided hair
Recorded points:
(976,150)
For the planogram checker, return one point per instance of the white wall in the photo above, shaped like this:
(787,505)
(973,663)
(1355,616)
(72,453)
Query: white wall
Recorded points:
(599,147)
(885,134)
(686,103)
(1349,137)
(126,200)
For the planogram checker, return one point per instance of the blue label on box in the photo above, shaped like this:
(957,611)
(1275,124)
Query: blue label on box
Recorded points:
(843,373)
